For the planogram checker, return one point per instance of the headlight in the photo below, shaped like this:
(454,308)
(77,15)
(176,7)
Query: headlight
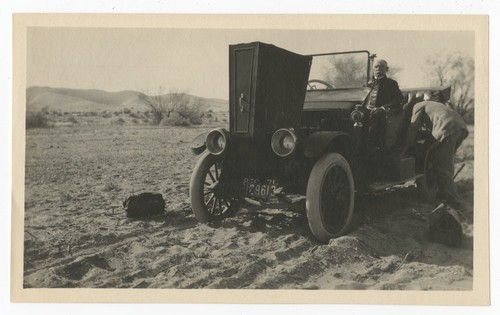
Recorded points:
(217,141)
(284,142)
(357,116)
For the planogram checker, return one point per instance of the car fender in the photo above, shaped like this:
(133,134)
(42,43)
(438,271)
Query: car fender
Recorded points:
(316,143)
(198,144)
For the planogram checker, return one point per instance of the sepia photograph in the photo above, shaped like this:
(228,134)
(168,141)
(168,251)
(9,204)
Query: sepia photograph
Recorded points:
(250,157)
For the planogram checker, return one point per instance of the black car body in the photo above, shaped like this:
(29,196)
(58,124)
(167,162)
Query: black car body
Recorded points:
(297,132)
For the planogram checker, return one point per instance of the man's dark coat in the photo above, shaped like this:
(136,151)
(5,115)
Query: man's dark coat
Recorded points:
(386,93)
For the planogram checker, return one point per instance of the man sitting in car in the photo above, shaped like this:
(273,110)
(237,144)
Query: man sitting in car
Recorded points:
(384,96)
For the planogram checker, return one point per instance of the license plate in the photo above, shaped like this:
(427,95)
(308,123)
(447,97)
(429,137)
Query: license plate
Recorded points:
(259,187)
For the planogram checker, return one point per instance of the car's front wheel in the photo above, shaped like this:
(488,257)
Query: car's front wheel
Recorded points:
(330,197)
(208,197)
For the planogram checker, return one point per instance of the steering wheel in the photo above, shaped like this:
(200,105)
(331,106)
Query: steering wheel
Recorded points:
(312,86)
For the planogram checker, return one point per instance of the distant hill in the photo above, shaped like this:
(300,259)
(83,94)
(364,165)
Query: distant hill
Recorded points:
(80,100)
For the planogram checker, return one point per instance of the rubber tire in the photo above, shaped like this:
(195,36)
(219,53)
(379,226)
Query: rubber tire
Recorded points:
(196,191)
(314,190)
(428,191)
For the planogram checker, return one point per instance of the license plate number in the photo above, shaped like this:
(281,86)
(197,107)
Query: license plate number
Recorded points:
(259,187)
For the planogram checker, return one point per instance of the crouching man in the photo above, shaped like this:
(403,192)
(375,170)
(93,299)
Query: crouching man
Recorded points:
(449,129)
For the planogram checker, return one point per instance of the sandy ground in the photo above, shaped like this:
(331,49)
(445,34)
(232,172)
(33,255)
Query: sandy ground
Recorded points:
(77,235)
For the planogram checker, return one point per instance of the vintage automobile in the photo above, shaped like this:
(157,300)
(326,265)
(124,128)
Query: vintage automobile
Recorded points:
(298,130)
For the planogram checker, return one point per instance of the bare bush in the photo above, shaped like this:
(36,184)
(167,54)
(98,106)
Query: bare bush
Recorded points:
(73,120)
(175,120)
(119,121)
(36,120)
(192,112)
(174,107)
(455,70)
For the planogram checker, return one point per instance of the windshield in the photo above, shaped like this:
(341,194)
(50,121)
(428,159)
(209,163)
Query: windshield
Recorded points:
(339,71)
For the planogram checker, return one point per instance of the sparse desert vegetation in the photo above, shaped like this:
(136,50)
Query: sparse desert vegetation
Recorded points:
(57,106)
(55,118)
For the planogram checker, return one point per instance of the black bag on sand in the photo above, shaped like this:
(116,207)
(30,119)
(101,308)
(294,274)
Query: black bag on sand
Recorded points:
(144,205)
(445,226)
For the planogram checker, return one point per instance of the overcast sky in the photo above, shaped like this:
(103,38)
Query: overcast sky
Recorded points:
(196,60)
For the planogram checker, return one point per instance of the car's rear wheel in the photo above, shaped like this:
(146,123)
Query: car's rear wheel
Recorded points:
(330,197)
(209,200)
(428,184)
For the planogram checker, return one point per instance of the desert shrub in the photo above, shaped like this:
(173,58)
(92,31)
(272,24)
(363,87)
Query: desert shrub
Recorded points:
(109,186)
(174,108)
(195,120)
(119,121)
(126,111)
(73,120)
(107,115)
(135,121)
(190,112)
(175,120)
(36,120)
(134,115)
(210,117)
(117,113)
(209,114)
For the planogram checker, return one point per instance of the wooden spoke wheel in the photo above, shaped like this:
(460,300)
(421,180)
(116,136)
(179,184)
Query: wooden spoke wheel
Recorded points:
(209,201)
